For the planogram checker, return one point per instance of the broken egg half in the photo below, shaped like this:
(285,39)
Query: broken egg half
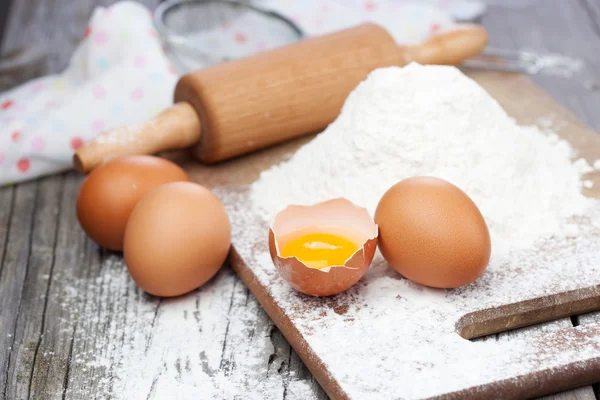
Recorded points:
(325,248)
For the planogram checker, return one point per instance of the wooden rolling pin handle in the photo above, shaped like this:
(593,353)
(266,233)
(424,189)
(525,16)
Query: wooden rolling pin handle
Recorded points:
(177,127)
(450,47)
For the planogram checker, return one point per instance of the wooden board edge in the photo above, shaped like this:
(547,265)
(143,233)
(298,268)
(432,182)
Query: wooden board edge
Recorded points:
(533,385)
(287,328)
(529,312)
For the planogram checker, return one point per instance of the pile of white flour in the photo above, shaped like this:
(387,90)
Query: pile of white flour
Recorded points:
(434,120)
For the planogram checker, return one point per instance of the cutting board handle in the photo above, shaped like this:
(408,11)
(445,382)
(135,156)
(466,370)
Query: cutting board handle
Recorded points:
(449,47)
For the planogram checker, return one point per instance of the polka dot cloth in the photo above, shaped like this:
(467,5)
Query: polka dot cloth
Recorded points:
(109,82)
(119,74)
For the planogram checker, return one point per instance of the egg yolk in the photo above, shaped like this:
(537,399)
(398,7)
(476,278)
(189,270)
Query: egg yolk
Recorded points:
(320,250)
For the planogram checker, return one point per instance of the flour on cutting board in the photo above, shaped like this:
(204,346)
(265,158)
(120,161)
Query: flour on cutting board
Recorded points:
(432,120)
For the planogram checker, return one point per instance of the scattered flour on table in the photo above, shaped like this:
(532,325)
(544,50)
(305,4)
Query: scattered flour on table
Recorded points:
(554,64)
(213,344)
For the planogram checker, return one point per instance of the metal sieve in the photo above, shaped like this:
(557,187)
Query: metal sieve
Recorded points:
(200,33)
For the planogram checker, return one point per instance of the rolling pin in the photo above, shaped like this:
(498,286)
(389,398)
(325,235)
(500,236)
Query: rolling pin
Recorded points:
(247,104)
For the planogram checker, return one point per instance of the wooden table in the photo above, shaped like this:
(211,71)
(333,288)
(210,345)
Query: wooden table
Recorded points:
(44,255)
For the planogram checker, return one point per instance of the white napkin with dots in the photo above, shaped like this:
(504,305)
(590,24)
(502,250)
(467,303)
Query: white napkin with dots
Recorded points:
(119,73)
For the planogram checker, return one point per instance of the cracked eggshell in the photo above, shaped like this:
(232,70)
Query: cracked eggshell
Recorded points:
(333,216)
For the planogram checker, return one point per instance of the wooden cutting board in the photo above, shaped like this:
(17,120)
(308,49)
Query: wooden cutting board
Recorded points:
(534,366)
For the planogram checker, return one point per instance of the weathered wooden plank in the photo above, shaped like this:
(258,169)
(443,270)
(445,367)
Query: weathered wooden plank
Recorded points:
(51,362)
(25,45)
(6,319)
(4,7)
(29,326)
(6,210)
(13,271)
(40,36)
(562,27)
(104,299)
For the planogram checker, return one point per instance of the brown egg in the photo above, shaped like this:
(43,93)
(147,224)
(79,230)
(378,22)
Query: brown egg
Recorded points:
(111,191)
(323,249)
(177,238)
(432,233)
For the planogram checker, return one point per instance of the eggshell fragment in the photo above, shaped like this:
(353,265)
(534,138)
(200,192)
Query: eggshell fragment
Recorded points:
(432,233)
(338,216)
